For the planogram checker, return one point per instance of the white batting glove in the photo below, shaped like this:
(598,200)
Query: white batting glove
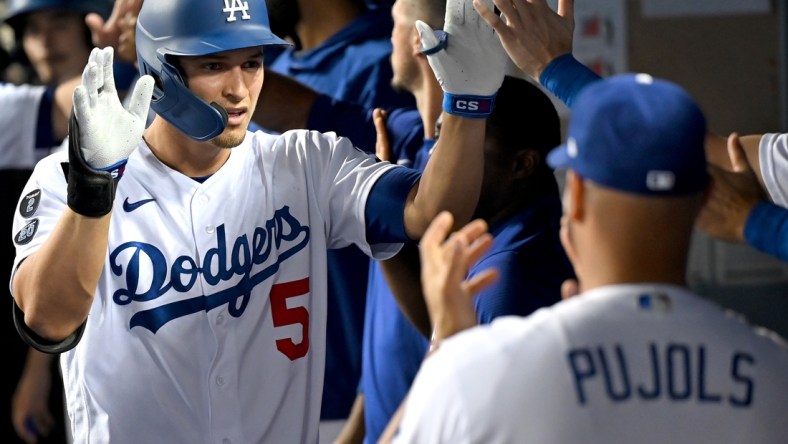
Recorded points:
(108,133)
(467,58)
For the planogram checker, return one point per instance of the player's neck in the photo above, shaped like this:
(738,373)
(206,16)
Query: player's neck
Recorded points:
(319,20)
(182,153)
(608,258)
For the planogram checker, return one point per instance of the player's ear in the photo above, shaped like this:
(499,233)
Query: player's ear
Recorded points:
(525,163)
(574,205)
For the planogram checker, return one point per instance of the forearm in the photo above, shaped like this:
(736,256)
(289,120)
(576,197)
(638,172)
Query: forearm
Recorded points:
(402,273)
(55,286)
(452,177)
(354,430)
(766,230)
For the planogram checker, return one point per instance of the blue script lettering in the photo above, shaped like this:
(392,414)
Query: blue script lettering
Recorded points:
(216,268)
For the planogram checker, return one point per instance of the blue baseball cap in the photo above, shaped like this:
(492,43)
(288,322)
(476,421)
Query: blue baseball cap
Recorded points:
(637,134)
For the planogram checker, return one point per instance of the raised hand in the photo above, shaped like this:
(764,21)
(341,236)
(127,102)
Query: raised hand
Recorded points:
(108,133)
(733,196)
(531,33)
(107,33)
(444,266)
(467,59)
(102,134)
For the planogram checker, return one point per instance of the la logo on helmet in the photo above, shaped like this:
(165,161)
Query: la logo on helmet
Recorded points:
(237,6)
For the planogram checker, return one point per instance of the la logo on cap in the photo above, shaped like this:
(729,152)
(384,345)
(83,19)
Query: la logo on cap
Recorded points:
(237,6)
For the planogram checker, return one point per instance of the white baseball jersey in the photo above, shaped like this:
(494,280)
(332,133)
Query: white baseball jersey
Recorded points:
(209,318)
(20,105)
(619,364)
(773,155)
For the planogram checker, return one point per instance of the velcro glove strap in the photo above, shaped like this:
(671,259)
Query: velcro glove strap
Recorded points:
(91,192)
(467,58)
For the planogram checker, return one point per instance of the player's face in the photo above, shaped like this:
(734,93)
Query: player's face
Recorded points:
(404,39)
(54,42)
(232,79)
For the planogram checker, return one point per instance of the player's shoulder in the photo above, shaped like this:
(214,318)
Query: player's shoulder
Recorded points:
(52,165)
(297,139)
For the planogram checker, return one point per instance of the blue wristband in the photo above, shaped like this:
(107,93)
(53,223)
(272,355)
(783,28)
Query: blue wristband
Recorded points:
(474,107)
(116,170)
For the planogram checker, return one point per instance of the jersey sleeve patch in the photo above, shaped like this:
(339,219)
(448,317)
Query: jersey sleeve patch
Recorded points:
(26,234)
(29,204)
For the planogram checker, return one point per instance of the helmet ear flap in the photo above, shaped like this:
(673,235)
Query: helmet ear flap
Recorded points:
(190,114)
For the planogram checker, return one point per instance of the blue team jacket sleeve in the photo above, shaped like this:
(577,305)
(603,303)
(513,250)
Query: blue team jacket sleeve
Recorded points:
(766,229)
(385,208)
(565,77)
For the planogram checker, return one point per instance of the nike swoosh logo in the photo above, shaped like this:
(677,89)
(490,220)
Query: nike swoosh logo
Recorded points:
(131,206)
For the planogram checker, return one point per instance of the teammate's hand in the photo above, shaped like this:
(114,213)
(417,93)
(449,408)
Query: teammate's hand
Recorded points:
(466,57)
(733,196)
(444,266)
(382,144)
(532,34)
(107,33)
(108,133)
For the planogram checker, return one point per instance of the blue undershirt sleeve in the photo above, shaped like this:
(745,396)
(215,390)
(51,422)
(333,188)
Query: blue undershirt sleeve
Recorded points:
(385,208)
(45,138)
(766,229)
(565,77)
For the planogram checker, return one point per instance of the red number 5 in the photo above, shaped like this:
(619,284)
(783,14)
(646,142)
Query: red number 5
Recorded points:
(289,316)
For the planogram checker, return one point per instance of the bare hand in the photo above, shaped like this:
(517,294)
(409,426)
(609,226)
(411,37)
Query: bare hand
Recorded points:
(382,145)
(127,46)
(733,196)
(108,33)
(445,264)
(531,33)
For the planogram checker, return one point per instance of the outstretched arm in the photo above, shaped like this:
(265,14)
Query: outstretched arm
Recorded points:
(469,63)
(737,208)
(54,286)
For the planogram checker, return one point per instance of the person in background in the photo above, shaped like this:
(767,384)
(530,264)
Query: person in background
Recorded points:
(636,356)
(51,39)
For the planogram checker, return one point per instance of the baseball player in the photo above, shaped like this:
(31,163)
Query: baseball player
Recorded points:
(636,357)
(182,276)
